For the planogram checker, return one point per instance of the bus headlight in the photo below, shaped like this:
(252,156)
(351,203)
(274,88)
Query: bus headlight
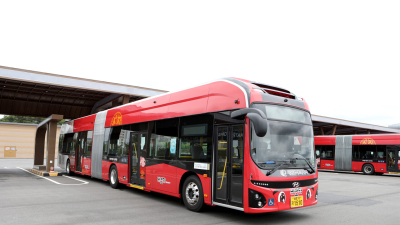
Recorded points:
(256,199)
(316,195)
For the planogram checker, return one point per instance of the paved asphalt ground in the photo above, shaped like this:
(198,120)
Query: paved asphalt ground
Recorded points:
(344,198)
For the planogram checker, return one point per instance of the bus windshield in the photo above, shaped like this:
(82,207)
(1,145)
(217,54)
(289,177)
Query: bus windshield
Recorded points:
(289,135)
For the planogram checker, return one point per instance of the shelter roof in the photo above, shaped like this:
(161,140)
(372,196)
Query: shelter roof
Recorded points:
(32,93)
(328,126)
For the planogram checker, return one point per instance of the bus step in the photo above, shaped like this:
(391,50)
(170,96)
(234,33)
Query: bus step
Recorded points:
(136,186)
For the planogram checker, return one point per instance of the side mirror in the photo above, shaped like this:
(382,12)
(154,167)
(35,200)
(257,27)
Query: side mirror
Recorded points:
(256,116)
(260,124)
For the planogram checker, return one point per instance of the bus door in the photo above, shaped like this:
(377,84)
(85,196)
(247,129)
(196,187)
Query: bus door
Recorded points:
(69,148)
(228,177)
(138,158)
(79,153)
(393,158)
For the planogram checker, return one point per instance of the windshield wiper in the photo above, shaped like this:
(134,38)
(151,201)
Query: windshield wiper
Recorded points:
(308,163)
(275,169)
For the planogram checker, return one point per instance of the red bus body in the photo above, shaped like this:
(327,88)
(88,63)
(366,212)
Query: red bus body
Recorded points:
(381,151)
(218,96)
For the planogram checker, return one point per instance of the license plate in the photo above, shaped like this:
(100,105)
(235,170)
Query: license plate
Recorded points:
(296,201)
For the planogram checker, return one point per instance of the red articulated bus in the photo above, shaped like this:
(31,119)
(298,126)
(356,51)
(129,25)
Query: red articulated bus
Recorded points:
(231,143)
(370,154)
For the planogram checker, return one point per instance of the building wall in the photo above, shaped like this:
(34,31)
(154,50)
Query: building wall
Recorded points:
(21,136)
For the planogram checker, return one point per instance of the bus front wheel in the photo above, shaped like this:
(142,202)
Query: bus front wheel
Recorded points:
(192,194)
(114,177)
(368,169)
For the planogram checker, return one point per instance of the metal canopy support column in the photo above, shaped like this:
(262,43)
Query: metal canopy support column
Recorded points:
(49,125)
(125,99)
(334,130)
(39,146)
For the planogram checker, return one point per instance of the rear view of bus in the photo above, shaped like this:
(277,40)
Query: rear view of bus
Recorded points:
(280,170)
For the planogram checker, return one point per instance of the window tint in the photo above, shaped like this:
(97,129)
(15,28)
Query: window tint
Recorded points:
(367,151)
(82,145)
(325,152)
(106,140)
(88,147)
(163,143)
(163,147)
(381,152)
(195,142)
(138,127)
(72,150)
(356,155)
(60,143)
(67,145)
(318,153)
(285,113)
(115,145)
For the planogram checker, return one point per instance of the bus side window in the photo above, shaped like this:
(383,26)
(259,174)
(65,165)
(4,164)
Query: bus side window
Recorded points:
(381,152)
(163,144)
(318,150)
(73,149)
(367,151)
(115,146)
(195,143)
(355,152)
(317,153)
(328,152)
(60,143)
(106,142)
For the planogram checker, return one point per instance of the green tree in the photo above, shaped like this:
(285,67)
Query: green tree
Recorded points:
(24,119)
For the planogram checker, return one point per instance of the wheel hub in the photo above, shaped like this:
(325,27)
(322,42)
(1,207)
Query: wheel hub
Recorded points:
(113,176)
(192,193)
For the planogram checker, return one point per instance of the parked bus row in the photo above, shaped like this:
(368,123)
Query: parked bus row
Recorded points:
(231,143)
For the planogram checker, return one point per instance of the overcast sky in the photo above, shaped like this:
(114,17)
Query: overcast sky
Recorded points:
(343,57)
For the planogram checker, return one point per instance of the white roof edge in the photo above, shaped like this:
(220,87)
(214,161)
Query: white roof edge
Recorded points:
(352,124)
(24,124)
(75,82)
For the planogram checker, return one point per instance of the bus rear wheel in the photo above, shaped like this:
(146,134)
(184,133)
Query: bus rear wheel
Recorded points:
(192,194)
(368,169)
(68,168)
(114,177)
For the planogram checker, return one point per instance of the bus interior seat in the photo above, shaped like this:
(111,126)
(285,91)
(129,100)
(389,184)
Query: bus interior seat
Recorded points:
(197,152)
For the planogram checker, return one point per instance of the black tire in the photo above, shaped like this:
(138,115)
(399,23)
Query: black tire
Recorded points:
(368,169)
(113,176)
(192,194)
(68,168)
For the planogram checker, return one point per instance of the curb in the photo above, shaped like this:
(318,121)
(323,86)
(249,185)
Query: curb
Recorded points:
(45,174)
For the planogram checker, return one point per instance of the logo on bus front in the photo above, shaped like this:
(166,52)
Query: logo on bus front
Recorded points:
(367,141)
(117,119)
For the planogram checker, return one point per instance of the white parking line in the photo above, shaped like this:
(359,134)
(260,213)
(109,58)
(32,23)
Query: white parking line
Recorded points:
(83,182)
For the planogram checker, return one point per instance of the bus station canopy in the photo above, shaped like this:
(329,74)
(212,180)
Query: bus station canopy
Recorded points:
(331,126)
(37,94)
(31,93)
